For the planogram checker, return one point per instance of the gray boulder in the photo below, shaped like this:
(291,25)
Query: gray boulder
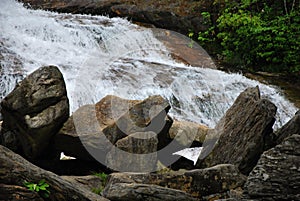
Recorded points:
(35,111)
(277,173)
(240,136)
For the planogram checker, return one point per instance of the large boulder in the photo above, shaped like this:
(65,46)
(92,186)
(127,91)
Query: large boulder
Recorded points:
(277,173)
(198,183)
(290,128)
(23,170)
(35,111)
(240,135)
(97,128)
(147,115)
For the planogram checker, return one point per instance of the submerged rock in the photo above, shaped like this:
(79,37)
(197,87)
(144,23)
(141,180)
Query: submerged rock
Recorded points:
(34,111)
(277,173)
(240,135)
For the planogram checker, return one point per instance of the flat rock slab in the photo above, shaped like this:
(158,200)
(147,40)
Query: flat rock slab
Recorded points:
(198,183)
(145,192)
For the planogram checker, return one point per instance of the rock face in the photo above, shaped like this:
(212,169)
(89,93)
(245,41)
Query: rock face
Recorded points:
(59,188)
(35,110)
(135,153)
(198,183)
(241,132)
(290,128)
(277,174)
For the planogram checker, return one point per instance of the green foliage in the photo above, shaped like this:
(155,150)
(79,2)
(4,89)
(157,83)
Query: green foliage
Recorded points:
(102,175)
(261,35)
(40,187)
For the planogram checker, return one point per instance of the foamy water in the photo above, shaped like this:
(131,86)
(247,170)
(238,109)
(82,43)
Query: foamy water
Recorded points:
(100,56)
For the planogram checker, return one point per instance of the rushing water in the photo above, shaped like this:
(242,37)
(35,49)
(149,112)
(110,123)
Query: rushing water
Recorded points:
(99,56)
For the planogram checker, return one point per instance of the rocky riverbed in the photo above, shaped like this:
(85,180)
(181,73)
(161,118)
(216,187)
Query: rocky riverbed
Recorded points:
(242,158)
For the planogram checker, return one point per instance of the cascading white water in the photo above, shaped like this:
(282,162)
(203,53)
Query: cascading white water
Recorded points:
(100,56)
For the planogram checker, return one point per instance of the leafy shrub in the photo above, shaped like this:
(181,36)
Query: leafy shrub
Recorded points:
(260,35)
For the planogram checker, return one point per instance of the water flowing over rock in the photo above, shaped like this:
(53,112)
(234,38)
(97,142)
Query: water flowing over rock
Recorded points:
(59,188)
(277,173)
(35,110)
(290,128)
(175,16)
(240,135)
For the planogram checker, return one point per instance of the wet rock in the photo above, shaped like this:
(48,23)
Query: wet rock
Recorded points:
(35,110)
(145,192)
(178,16)
(240,135)
(277,173)
(59,188)
(183,49)
(198,183)
(290,128)
(135,153)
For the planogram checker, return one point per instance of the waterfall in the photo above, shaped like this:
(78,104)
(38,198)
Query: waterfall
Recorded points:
(99,56)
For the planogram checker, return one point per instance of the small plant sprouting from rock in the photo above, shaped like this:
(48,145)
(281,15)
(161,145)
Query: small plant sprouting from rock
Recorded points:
(40,188)
(190,35)
(103,177)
